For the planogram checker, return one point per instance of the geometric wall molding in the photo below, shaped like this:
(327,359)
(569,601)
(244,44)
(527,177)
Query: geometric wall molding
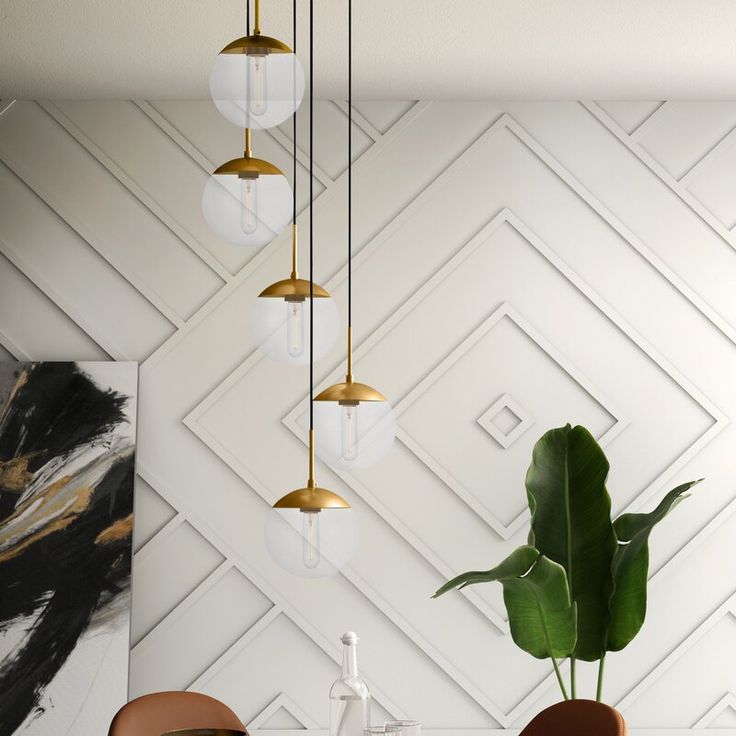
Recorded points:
(726,706)
(505,420)
(548,262)
(282,702)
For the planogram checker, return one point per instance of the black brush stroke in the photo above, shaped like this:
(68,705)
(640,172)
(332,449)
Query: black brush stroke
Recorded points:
(57,411)
(79,578)
(66,577)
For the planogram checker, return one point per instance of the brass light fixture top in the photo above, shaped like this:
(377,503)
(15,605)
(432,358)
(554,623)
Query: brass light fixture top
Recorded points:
(256,44)
(311,498)
(350,392)
(293,287)
(248,165)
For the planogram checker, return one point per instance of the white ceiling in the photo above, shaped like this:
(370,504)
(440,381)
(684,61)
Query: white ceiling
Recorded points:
(404,49)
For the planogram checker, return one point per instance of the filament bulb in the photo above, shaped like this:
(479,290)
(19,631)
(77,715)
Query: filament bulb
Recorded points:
(295,327)
(310,539)
(258,83)
(249,205)
(349,431)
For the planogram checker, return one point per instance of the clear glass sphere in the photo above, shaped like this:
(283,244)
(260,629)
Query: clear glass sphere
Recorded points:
(281,328)
(355,436)
(311,545)
(249,212)
(257,91)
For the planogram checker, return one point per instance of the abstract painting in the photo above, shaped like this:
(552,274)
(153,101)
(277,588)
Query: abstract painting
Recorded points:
(67,467)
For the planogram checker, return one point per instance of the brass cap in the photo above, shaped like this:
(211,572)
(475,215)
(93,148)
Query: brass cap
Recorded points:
(293,287)
(350,392)
(311,499)
(256,44)
(248,165)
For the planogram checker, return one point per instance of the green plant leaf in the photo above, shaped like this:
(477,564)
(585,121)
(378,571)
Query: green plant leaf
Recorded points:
(628,602)
(571,525)
(541,615)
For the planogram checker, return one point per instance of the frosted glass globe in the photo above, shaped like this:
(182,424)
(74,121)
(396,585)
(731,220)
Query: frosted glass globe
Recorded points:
(349,437)
(250,212)
(311,545)
(254,91)
(283,335)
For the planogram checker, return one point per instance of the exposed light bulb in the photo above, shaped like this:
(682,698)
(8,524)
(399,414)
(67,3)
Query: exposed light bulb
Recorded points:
(311,555)
(295,327)
(258,83)
(249,204)
(349,431)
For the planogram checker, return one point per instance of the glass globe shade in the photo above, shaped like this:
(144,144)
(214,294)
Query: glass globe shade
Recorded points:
(251,217)
(356,436)
(283,335)
(257,91)
(311,545)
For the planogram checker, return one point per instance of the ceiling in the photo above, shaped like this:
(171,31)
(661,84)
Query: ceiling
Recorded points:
(403,49)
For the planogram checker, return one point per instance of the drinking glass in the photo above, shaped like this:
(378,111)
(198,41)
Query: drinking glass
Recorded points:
(407,728)
(385,730)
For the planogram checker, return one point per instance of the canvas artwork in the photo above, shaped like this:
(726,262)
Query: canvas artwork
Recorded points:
(67,466)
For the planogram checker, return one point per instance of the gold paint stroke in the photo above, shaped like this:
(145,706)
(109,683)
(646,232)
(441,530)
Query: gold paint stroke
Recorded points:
(119,529)
(21,381)
(51,499)
(14,475)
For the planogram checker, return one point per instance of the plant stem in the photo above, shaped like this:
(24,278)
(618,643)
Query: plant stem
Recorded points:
(572,678)
(559,678)
(599,689)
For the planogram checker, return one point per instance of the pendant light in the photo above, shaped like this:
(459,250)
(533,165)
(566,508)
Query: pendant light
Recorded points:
(311,531)
(246,201)
(356,423)
(282,315)
(257,81)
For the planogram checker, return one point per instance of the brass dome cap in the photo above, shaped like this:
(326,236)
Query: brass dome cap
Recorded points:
(350,391)
(248,165)
(293,287)
(311,499)
(255,44)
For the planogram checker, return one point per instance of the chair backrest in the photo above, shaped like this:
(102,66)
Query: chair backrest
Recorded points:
(154,714)
(577,718)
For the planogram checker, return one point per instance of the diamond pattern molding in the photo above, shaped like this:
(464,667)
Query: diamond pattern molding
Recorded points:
(519,266)
(505,433)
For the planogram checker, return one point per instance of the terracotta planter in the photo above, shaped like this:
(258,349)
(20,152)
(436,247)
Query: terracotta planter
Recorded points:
(577,718)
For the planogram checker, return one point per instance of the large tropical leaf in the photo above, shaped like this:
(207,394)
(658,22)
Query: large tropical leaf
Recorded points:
(541,615)
(631,567)
(571,525)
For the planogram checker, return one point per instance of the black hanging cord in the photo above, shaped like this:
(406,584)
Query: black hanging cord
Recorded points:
(247,17)
(350,162)
(311,214)
(293,193)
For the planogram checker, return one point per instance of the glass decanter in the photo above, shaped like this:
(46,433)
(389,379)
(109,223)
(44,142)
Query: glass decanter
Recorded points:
(350,700)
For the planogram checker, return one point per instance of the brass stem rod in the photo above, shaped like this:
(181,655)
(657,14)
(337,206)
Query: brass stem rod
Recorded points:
(293,252)
(247,143)
(257,21)
(349,377)
(310,482)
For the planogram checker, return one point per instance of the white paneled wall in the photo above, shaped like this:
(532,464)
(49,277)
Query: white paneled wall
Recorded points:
(570,261)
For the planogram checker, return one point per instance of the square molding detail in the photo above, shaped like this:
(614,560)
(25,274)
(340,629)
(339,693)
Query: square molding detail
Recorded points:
(505,405)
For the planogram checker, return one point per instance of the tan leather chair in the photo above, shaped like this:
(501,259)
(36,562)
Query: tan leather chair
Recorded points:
(577,718)
(154,714)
